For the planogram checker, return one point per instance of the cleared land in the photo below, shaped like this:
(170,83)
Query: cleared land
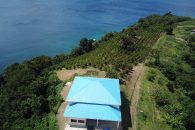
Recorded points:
(67,74)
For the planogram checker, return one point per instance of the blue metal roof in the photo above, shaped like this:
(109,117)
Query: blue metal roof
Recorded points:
(92,111)
(95,90)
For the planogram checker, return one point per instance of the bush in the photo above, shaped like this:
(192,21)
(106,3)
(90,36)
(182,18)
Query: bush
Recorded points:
(127,43)
(151,76)
(190,38)
(169,30)
(59,58)
(161,95)
(111,73)
(77,51)
(86,44)
(108,36)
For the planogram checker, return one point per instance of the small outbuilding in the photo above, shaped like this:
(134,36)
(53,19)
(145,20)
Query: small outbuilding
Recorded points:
(93,103)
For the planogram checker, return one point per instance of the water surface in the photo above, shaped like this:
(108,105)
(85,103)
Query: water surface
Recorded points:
(30,28)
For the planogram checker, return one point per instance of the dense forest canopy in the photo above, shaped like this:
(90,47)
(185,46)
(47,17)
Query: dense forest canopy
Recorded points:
(29,91)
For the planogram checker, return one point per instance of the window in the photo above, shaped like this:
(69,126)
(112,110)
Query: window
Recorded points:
(72,120)
(80,121)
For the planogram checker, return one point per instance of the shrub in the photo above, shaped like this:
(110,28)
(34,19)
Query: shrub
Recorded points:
(169,30)
(111,73)
(127,43)
(161,95)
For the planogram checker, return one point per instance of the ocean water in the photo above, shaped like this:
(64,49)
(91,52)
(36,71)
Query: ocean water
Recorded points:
(30,28)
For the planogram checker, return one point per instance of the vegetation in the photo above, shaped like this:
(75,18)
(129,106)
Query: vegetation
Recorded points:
(148,115)
(29,97)
(29,91)
(86,45)
(167,97)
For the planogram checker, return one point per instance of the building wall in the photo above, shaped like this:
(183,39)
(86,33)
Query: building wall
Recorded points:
(76,121)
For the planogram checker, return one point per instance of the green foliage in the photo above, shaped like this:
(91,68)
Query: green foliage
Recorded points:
(108,36)
(111,73)
(190,57)
(86,44)
(173,89)
(29,91)
(59,58)
(77,51)
(166,20)
(127,43)
(37,64)
(175,116)
(148,117)
(161,95)
(24,94)
(109,54)
(125,109)
(190,38)
(169,30)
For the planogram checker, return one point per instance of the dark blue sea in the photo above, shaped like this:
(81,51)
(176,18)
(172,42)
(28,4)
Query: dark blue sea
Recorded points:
(30,28)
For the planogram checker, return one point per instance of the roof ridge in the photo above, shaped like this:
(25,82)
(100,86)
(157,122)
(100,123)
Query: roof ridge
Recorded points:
(79,89)
(93,90)
(102,87)
(109,92)
(91,111)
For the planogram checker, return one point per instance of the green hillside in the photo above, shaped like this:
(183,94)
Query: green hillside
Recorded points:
(168,86)
(29,91)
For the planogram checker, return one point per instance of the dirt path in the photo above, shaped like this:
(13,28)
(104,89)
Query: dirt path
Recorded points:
(59,115)
(66,75)
(133,88)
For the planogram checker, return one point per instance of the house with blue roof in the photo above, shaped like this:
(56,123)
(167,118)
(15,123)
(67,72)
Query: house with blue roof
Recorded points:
(94,103)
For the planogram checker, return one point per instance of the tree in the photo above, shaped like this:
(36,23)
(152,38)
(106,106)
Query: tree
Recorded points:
(127,43)
(39,63)
(112,73)
(59,58)
(157,58)
(86,44)
(77,51)
(1,79)
(161,95)
(190,38)
(168,14)
(108,36)
(169,30)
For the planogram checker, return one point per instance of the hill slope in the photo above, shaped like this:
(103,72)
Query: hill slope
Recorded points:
(29,91)
(168,87)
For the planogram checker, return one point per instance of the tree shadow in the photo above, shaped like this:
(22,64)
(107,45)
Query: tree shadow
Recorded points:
(125,110)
